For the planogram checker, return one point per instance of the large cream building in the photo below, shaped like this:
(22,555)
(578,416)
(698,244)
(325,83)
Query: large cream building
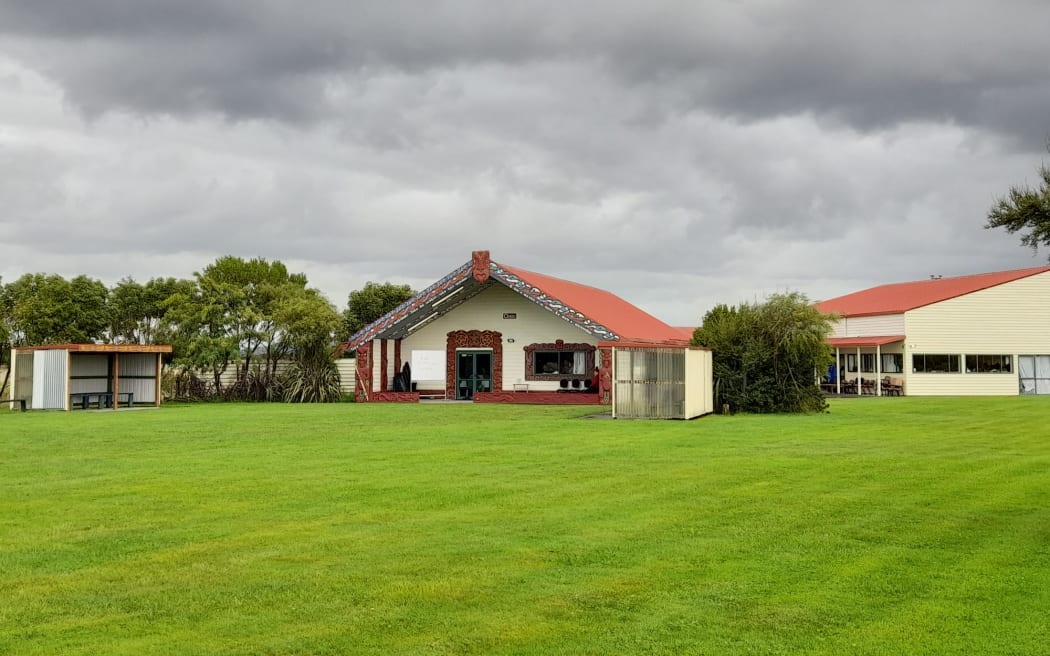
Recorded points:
(984,334)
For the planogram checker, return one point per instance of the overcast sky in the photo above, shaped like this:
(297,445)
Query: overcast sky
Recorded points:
(677,153)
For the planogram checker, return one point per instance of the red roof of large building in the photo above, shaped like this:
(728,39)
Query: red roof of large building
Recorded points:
(600,306)
(900,297)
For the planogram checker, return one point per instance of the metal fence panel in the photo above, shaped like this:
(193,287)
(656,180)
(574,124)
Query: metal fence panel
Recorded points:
(49,379)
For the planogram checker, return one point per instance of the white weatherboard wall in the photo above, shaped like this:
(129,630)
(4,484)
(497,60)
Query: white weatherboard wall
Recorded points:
(883,324)
(1009,319)
(699,383)
(49,379)
(485,312)
(345,366)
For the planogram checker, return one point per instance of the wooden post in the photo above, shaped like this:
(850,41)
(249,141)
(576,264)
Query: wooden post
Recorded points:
(69,372)
(116,380)
(156,393)
(858,372)
(838,372)
(878,370)
(12,373)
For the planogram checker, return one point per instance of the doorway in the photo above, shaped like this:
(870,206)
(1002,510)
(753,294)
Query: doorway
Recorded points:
(473,373)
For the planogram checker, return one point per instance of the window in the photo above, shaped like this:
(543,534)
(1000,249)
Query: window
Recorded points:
(559,361)
(892,363)
(989,364)
(867,363)
(935,363)
(1034,373)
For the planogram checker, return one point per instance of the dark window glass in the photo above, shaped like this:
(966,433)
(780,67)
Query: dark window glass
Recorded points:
(989,364)
(935,363)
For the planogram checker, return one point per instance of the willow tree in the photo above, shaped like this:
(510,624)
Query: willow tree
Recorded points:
(765,354)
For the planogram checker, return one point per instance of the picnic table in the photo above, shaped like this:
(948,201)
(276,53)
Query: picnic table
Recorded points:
(100,400)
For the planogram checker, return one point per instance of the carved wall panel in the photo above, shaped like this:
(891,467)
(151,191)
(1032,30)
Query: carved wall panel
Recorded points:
(479,339)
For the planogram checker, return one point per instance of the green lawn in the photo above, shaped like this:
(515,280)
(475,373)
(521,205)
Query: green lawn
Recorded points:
(889,526)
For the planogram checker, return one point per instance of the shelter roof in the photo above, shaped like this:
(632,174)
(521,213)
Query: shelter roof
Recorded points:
(900,297)
(879,340)
(99,348)
(595,311)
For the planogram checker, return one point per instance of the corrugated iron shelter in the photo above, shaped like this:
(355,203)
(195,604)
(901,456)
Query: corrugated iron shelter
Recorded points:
(661,381)
(64,376)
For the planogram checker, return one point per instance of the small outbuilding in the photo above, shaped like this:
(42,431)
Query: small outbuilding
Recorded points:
(68,376)
(660,381)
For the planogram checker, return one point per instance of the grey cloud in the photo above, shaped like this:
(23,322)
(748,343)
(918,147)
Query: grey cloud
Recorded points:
(867,65)
(679,154)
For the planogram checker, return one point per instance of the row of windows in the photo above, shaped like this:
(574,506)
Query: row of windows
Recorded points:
(892,363)
(950,363)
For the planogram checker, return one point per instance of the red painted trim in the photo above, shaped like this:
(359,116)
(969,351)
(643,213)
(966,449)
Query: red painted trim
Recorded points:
(395,397)
(880,340)
(537,398)
(605,374)
(654,343)
(480,261)
(363,365)
(480,339)
(558,345)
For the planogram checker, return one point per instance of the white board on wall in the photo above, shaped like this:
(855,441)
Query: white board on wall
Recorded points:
(428,365)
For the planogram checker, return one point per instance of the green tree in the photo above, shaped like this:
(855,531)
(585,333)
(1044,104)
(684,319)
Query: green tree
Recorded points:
(247,291)
(229,317)
(308,324)
(372,301)
(1025,208)
(196,325)
(765,355)
(137,311)
(48,309)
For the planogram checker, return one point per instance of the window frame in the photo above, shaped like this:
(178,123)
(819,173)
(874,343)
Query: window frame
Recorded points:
(953,358)
(977,367)
(560,347)
(898,363)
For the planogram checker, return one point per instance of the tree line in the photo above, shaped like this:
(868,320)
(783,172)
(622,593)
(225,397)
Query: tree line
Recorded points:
(252,314)
(236,314)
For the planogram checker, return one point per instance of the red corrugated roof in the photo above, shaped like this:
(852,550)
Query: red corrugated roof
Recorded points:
(901,297)
(609,310)
(687,331)
(880,340)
